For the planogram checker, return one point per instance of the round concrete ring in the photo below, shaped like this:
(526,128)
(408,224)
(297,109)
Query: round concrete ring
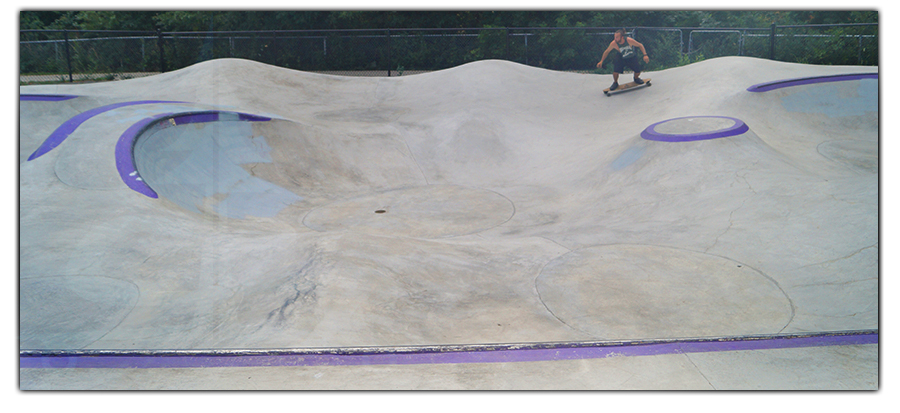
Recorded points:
(738,128)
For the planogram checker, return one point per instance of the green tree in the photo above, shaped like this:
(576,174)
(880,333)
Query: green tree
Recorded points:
(37,20)
(115,20)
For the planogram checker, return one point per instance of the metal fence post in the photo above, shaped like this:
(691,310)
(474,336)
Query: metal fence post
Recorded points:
(859,50)
(507,43)
(68,57)
(772,43)
(526,47)
(274,52)
(390,58)
(162,55)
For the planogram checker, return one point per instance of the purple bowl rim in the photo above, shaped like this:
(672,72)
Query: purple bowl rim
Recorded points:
(125,163)
(37,97)
(778,84)
(651,134)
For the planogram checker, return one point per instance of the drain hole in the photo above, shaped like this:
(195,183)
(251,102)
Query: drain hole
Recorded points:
(380,211)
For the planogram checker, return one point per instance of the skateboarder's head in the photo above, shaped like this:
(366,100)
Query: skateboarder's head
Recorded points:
(620,36)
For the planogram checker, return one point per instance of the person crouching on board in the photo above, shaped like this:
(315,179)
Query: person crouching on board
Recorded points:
(626,56)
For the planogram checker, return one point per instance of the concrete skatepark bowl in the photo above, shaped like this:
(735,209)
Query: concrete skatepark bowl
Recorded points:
(488,226)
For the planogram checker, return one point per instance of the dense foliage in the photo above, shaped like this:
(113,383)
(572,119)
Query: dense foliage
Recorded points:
(319,20)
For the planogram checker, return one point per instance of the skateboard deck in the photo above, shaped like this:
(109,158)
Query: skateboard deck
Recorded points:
(627,86)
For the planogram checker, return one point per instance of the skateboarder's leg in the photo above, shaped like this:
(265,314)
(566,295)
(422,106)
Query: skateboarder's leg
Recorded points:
(618,68)
(635,65)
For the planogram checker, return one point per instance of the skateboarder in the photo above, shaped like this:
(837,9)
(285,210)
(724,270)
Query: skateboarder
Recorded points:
(625,57)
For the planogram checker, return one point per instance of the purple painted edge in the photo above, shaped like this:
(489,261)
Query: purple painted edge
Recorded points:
(69,126)
(435,355)
(253,118)
(125,145)
(765,87)
(46,98)
(214,116)
(125,156)
(651,134)
(200,117)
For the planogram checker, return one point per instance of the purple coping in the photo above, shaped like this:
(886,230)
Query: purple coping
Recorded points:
(651,134)
(430,355)
(125,145)
(125,156)
(46,98)
(69,126)
(765,87)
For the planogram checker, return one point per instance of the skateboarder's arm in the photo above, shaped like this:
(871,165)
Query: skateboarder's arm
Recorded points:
(611,47)
(638,44)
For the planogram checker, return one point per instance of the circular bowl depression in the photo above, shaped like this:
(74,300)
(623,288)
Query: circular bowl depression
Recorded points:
(694,128)
(431,211)
(617,292)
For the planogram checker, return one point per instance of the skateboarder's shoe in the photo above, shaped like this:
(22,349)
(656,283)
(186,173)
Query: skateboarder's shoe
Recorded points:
(638,81)
(614,86)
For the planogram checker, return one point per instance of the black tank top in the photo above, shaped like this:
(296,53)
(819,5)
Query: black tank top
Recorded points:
(627,50)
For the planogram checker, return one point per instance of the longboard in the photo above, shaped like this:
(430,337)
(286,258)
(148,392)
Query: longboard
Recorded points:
(627,86)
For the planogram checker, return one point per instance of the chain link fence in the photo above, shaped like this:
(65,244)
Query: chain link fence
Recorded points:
(822,44)
(54,56)
(65,56)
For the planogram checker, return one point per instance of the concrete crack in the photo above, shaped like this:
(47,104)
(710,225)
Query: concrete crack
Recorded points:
(875,245)
(730,224)
(416,161)
(555,242)
(304,292)
(699,371)
(842,283)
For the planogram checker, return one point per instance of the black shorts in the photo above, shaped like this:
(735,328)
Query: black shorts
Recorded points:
(633,63)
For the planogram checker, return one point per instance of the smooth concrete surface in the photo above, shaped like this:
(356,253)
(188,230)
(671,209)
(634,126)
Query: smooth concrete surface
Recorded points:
(487,203)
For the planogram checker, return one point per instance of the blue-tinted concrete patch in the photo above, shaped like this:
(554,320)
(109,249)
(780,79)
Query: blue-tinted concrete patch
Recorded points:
(630,156)
(198,165)
(827,99)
